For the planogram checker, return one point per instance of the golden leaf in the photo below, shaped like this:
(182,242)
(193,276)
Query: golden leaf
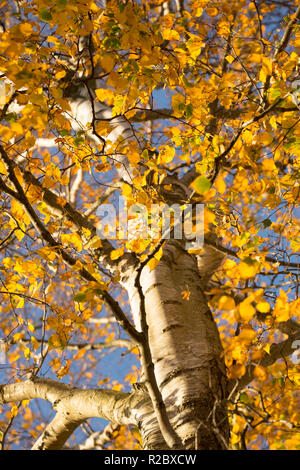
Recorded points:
(260,373)
(115,254)
(246,310)
(226,303)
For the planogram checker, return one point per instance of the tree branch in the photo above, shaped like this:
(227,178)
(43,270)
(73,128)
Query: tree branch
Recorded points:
(97,440)
(277,351)
(151,115)
(232,253)
(69,260)
(74,405)
(287,33)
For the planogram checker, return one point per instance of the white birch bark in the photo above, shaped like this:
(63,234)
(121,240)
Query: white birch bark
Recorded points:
(185,347)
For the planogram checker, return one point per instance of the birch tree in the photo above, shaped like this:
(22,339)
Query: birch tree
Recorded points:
(164,105)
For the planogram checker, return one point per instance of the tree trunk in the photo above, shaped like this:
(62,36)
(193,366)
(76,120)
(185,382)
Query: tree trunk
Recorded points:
(185,347)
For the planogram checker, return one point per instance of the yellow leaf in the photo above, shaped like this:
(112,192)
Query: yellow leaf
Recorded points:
(95,242)
(152,263)
(269,164)
(14,411)
(220,185)
(115,254)
(267,348)
(266,139)
(235,438)
(26,28)
(30,326)
(60,74)
(101,94)
(34,343)
(17,336)
(267,65)
(158,254)
(262,75)
(226,303)
(54,341)
(282,309)
(27,353)
(229,58)
(3,169)
(199,11)
(17,128)
(74,239)
(257,354)
(166,155)
(53,171)
(118,105)
(212,11)
(194,47)
(266,69)
(247,334)
(236,371)
(52,39)
(295,377)
(263,306)
(47,253)
(19,234)
(248,270)
(108,62)
(260,373)
(117,387)
(169,34)
(186,294)
(246,310)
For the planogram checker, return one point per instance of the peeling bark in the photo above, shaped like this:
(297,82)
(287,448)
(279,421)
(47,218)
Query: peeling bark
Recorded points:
(185,347)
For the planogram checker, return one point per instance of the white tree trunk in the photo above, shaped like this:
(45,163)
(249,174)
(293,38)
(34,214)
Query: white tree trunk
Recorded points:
(185,347)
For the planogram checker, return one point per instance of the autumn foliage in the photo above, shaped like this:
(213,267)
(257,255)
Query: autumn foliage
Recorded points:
(206,91)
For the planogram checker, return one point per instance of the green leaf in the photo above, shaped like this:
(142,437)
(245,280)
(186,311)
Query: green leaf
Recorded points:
(79,297)
(63,132)
(78,141)
(145,154)
(201,184)
(11,117)
(45,14)
(189,111)
(244,398)
(250,261)
(275,93)
(266,223)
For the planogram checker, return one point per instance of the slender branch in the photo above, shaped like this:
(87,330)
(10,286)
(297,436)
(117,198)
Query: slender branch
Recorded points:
(9,425)
(234,254)
(101,199)
(239,132)
(151,114)
(68,212)
(280,48)
(287,33)
(8,236)
(277,351)
(259,26)
(69,260)
(97,440)
(116,343)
